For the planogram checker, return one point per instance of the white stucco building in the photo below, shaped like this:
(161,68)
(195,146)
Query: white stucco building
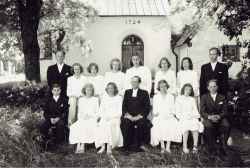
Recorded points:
(122,29)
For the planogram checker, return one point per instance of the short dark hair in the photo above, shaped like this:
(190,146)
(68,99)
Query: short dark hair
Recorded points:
(190,63)
(93,65)
(217,50)
(164,59)
(138,77)
(116,60)
(88,85)
(212,80)
(76,64)
(61,51)
(55,85)
(131,62)
(160,82)
(114,85)
(184,87)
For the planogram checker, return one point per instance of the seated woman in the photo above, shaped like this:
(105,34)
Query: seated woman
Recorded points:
(108,130)
(83,130)
(75,84)
(96,79)
(187,112)
(55,111)
(165,124)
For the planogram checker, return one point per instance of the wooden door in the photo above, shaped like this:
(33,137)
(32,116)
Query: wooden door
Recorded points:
(131,45)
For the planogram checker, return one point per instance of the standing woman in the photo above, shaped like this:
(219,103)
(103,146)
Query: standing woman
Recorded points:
(83,130)
(165,124)
(187,75)
(96,79)
(115,75)
(75,84)
(108,130)
(165,73)
(137,69)
(187,112)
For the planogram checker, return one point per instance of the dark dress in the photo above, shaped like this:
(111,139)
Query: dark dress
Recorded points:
(53,109)
(220,73)
(135,133)
(213,130)
(54,76)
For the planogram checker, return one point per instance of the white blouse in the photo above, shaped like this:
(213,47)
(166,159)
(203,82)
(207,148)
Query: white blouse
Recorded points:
(75,85)
(98,82)
(111,107)
(186,107)
(188,76)
(117,77)
(87,107)
(163,106)
(169,76)
(144,73)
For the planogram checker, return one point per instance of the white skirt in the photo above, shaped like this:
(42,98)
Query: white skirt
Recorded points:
(166,130)
(191,125)
(83,131)
(109,132)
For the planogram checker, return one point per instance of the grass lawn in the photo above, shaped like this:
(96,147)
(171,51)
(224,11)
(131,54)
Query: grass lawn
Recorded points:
(152,158)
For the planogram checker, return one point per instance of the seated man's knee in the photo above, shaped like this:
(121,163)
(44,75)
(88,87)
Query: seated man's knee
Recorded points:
(225,123)
(208,124)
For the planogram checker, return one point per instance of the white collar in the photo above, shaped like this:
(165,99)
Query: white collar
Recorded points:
(56,98)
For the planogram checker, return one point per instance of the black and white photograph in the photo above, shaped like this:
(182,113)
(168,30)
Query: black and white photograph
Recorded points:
(125,83)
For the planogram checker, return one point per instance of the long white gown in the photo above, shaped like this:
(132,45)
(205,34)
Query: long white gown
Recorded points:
(144,73)
(83,130)
(74,91)
(108,130)
(98,82)
(169,76)
(118,78)
(188,76)
(165,125)
(187,112)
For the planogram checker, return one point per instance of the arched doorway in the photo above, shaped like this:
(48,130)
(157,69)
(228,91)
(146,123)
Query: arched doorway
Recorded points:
(131,45)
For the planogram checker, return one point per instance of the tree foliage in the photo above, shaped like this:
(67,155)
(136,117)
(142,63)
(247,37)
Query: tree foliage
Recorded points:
(30,20)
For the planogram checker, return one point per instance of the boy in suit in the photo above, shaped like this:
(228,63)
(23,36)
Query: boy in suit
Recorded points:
(214,70)
(59,73)
(135,126)
(214,114)
(55,111)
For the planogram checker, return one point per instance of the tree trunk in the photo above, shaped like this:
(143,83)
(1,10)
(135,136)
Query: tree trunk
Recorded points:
(29,15)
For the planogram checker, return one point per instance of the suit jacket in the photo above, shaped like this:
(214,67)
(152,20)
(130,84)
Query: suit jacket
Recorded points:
(136,105)
(220,73)
(54,76)
(211,107)
(53,109)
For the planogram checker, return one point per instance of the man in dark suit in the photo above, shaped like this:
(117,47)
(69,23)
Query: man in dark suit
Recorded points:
(55,111)
(135,126)
(214,113)
(59,72)
(214,70)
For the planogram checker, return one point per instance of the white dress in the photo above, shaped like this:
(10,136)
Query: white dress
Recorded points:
(75,85)
(165,125)
(98,82)
(186,111)
(74,91)
(144,73)
(108,130)
(169,76)
(188,76)
(117,77)
(83,130)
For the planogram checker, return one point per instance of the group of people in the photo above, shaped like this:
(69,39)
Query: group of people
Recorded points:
(113,110)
